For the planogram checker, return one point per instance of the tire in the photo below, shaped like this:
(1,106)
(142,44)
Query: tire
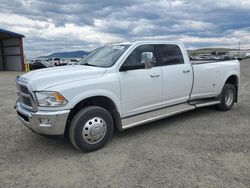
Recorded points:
(91,128)
(227,97)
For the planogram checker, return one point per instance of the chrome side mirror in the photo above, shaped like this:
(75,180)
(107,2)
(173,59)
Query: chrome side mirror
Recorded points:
(147,59)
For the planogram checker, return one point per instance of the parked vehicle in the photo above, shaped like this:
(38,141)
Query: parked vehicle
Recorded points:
(72,62)
(39,64)
(122,85)
(55,61)
(31,61)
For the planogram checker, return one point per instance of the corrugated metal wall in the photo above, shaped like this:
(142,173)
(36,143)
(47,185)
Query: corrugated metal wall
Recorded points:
(11,54)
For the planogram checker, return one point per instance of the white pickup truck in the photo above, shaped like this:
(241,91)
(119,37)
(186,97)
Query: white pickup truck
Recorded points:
(121,86)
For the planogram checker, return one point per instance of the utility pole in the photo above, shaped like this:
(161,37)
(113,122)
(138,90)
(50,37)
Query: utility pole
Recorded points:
(239,50)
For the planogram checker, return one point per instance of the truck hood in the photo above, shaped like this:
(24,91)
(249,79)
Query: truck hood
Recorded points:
(41,79)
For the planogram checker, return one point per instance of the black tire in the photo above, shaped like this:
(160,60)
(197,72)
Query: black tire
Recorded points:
(227,97)
(81,121)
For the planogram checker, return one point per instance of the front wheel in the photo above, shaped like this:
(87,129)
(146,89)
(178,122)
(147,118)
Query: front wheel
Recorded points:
(228,95)
(91,128)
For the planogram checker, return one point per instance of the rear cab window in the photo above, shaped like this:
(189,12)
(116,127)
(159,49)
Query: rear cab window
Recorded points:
(169,54)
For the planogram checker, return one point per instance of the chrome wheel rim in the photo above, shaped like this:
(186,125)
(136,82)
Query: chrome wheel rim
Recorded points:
(94,130)
(229,96)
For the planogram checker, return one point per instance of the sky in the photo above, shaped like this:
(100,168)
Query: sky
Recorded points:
(61,25)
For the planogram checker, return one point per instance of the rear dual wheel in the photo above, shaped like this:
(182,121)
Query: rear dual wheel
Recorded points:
(91,128)
(228,96)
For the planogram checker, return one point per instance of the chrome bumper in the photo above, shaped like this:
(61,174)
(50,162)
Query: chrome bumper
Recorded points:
(43,122)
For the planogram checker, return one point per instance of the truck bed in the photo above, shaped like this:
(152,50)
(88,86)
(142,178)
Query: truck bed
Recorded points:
(209,61)
(210,75)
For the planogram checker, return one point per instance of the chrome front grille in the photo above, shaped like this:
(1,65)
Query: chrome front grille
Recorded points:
(25,97)
(26,101)
(24,89)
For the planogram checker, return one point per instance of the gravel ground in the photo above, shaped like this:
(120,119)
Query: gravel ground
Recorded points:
(202,148)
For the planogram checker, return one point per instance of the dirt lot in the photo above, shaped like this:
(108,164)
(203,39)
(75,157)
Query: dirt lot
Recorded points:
(202,148)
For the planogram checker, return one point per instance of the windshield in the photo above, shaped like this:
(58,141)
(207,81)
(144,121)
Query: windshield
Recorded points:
(105,56)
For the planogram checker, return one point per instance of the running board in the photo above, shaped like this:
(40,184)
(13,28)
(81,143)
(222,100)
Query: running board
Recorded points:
(155,115)
(151,116)
(203,103)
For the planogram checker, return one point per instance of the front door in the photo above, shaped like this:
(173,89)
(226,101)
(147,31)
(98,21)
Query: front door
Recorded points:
(141,89)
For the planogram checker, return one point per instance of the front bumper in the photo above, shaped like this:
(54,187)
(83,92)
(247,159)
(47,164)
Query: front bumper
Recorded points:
(43,122)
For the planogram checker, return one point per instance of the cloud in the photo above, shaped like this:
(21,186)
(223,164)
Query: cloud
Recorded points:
(60,25)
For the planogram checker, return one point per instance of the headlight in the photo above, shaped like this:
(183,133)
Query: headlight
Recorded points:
(50,98)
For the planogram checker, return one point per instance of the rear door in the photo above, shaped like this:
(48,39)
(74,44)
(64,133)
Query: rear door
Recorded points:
(141,89)
(176,72)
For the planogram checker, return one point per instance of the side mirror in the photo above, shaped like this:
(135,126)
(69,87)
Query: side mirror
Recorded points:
(147,58)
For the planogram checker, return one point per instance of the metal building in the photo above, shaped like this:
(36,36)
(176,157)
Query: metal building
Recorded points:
(11,51)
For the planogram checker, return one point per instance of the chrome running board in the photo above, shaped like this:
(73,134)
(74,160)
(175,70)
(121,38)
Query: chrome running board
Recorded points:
(155,115)
(203,103)
(151,116)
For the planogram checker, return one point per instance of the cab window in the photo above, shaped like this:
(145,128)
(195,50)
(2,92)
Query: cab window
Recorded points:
(170,54)
(134,59)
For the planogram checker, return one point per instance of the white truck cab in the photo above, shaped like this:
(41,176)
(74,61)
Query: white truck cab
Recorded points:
(55,61)
(122,85)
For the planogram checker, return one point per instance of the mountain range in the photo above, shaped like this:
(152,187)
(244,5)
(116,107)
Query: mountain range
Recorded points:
(74,54)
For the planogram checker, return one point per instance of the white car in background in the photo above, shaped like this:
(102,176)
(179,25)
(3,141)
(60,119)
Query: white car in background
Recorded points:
(55,61)
(72,62)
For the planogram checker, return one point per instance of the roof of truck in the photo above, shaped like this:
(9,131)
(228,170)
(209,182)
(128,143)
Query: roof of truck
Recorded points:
(147,42)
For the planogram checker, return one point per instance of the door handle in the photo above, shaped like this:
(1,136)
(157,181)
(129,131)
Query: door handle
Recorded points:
(186,71)
(154,75)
